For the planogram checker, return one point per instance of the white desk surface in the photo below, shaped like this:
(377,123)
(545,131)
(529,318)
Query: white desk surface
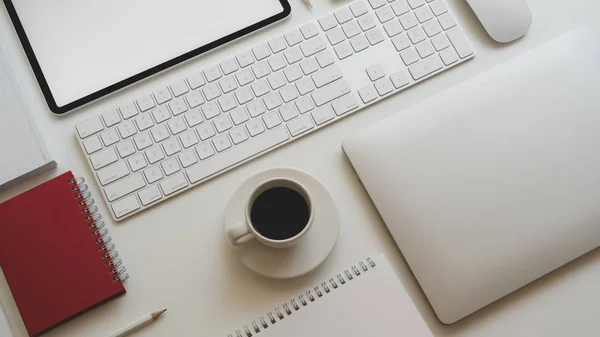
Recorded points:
(176,252)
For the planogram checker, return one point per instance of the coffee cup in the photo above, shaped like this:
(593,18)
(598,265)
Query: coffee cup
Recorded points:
(277,214)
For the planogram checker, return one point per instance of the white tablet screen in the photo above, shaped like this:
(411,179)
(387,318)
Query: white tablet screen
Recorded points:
(83,46)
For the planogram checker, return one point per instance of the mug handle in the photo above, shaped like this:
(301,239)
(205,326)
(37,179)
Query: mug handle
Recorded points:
(239,234)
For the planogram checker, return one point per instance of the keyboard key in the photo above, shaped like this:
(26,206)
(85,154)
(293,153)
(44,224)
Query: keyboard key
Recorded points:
(288,93)
(111,118)
(384,86)
(293,55)
(124,186)
(222,123)
(312,46)
(324,58)
(351,29)
(245,59)
(272,100)
(145,103)
(309,30)
(221,142)
(112,173)
(178,88)
(171,146)
(128,110)
(125,148)
(322,115)
(309,66)
(344,104)
(162,95)
(423,14)
(440,42)
(399,79)
(125,206)
(160,133)
(153,174)
(385,14)
(343,15)
(211,91)
(366,22)
(277,62)
(261,69)
(244,76)
(255,127)
(260,88)
(212,74)
(103,158)
(292,73)
(416,3)
(193,117)
(92,144)
(237,154)
(261,52)
(367,94)
(271,119)
(447,21)
(144,121)
(327,75)
(178,106)
(188,139)
(293,37)
(343,50)
(416,35)
(238,115)
(228,84)
(335,36)
(205,130)
(137,162)
(142,140)
(154,154)
(229,66)
(425,49)
(205,150)
(393,28)
(276,80)
(210,110)
(374,36)
(161,114)
(149,195)
(304,104)
(238,135)
(227,102)
(194,99)
(426,67)
(255,108)
(300,125)
(375,72)
(358,8)
(187,158)
(196,81)
(127,129)
(377,3)
(409,56)
(448,56)
(460,43)
(400,7)
(432,28)
(288,112)
(330,92)
(408,21)
(244,95)
(176,125)
(277,45)
(89,127)
(327,22)
(173,184)
(438,7)
(359,43)
(305,86)
(170,166)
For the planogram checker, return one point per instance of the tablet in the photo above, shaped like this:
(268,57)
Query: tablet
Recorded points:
(81,50)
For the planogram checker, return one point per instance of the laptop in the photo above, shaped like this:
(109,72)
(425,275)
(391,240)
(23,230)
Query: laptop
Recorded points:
(495,182)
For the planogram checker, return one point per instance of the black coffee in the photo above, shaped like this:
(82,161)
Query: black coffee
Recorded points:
(279,213)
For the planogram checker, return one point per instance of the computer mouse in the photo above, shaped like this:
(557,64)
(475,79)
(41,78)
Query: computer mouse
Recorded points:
(504,20)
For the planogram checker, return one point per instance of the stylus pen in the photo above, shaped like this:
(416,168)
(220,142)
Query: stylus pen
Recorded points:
(307,2)
(140,323)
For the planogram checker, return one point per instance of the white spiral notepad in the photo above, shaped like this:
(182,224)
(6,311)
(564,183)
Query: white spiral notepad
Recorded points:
(366,299)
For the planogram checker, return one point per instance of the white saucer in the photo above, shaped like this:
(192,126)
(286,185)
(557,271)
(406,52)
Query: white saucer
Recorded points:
(310,252)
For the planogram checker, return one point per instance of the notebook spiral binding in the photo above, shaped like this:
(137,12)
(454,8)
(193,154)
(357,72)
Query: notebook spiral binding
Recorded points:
(304,299)
(100,233)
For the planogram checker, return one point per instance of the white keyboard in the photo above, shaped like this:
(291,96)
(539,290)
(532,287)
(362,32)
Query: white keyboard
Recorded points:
(161,144)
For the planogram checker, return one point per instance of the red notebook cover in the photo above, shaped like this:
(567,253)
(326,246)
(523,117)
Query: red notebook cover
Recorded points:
(53,254)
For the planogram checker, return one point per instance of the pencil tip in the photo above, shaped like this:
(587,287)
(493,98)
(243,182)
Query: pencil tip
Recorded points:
(158,313)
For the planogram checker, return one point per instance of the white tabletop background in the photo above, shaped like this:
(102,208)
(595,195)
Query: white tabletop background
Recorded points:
(176,253)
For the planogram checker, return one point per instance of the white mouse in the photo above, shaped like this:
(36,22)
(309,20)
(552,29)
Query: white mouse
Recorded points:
(504,20)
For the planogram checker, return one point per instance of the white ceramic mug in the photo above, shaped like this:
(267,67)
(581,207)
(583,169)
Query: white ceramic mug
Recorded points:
(243,232)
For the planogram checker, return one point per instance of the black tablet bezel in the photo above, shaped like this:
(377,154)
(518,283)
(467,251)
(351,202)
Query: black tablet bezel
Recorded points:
(59,110)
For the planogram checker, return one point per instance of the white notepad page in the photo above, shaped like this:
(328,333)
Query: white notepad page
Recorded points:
(373,303)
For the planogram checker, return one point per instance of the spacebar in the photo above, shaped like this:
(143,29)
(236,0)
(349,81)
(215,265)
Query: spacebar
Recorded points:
(237,154)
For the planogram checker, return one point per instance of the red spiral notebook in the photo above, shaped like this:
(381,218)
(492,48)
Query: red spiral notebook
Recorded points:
(55,254)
